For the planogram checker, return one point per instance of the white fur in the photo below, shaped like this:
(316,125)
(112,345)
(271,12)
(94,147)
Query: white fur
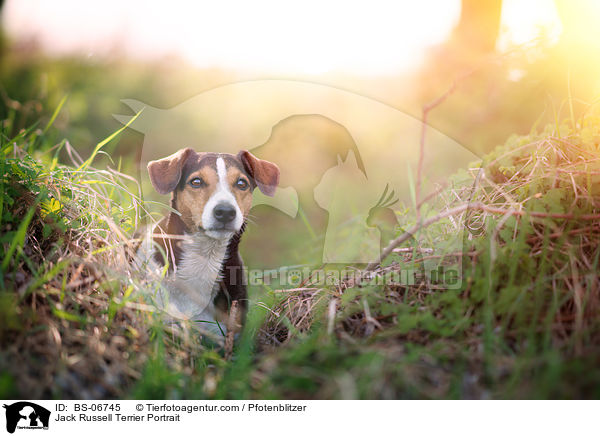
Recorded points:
(188,292)
(222,194)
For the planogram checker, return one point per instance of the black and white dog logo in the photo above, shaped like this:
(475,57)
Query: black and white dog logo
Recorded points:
(26,415)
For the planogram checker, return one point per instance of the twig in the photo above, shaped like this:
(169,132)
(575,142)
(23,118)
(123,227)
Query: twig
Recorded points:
(231,329)
(478,206)
(296,290)
(425,114)
(412,249)
(331,316)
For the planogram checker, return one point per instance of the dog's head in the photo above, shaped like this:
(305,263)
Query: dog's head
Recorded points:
(213,191)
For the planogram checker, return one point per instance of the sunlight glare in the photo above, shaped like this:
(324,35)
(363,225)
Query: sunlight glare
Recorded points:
(523,22)
(291,37)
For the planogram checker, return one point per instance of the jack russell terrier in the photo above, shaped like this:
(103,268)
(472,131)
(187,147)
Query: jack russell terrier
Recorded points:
(211,194)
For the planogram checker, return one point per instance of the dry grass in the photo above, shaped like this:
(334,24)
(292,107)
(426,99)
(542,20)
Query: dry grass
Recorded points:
(532,249)
(74,323)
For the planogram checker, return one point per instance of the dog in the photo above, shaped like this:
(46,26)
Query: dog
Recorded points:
(196,244)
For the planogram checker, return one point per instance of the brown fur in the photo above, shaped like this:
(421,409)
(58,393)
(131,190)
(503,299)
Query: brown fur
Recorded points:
(264,173)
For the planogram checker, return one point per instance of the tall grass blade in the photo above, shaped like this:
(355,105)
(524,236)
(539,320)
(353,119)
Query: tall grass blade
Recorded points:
(102,143)
(55,114)
(19,238)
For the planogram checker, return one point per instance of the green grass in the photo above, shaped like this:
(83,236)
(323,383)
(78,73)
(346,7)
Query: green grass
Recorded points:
(524,324)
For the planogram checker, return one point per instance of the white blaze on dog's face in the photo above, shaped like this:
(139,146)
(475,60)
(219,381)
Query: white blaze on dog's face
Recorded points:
(213,191)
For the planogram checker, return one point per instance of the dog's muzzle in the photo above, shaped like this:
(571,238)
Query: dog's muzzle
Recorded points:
(224,213)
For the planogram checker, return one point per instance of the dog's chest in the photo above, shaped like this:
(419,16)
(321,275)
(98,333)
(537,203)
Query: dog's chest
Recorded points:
(201,262)
(194,283)
(202,257)
(189,289)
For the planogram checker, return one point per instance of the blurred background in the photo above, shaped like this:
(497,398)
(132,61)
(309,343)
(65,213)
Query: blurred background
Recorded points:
(511,64)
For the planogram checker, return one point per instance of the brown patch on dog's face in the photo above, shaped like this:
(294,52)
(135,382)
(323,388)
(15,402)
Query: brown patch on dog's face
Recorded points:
(241,188)
(265,174)
(197,185)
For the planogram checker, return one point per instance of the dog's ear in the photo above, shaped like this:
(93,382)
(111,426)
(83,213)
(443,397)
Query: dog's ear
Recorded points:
(264,173)
(165,173)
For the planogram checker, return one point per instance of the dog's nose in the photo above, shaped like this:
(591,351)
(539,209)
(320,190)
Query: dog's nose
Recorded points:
(224,213)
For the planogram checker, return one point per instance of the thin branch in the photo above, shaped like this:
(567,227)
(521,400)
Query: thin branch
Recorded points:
(477,206)
(425,115)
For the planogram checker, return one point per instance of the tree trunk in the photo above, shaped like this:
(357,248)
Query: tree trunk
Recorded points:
(479,25)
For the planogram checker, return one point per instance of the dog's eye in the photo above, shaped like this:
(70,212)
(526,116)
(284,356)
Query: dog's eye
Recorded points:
(242,184)
(197,182)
